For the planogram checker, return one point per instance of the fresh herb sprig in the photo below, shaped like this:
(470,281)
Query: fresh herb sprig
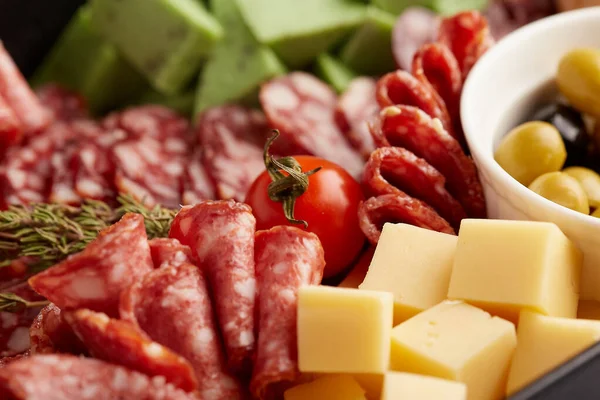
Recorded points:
(10,302)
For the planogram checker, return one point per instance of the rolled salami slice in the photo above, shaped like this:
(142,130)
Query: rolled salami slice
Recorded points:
(66,377)
(397,170)
(286,258)
(15,91)
(302,108)
(221,236)
(95,277)
(399,207)
(172,305)
(64,104)
(415,27)
(412,129)
(122,343)
(168,252)
(354,108)
(50,333)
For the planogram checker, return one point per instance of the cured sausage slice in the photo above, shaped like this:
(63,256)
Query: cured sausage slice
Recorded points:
(10,127)
(221,236)
(232,140)
(14,327)
(120,342)
(397,170)
(169,252)
(180,296)
(415,27)
(411,128)
(302,108)
(354,108)
(197,184)
(157,122)
(66,377)
(15,91)
(286,258)
(50,333)
(399,207)
(62,188)
(65,104)
(95,277)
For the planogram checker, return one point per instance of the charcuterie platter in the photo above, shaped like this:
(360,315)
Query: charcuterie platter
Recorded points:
(250,199)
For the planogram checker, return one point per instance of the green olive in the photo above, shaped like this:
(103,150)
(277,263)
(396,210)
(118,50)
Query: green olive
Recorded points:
(578,79)
(562,189)
(589,180)
(530,150)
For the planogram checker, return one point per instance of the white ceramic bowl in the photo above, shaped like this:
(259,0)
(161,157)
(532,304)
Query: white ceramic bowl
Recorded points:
(499,93)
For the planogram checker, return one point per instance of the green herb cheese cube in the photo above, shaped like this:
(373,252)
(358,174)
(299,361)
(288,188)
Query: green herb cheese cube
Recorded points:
(334,72)
(444,7)
(166,40)
(300,30)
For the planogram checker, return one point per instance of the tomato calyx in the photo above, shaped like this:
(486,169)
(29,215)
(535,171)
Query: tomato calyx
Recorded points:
(286,189)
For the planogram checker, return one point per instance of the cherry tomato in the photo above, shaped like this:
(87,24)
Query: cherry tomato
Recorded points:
(329,206)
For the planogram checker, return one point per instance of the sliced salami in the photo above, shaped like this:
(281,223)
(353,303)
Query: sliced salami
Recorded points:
(286,258)
(122,343)
(15,91)
(302,108)
(168,252)
(10,127)
(62,186)
(66,377)
(354,108)
(415,27)
(395,208)
(197,184)
(4,361)
(95,277)
(411,128)
(65,104)
(221,236)
(397,170)
(94,173)
(50,333)
(180,296)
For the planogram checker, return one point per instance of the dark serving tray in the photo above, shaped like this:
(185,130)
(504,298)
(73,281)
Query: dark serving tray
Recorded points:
(28,29)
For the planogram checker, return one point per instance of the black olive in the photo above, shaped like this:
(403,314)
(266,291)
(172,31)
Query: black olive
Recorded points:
(571,126)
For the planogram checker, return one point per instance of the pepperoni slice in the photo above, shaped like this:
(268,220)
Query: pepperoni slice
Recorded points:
(197,184)
(121,343)
(221,236)
(286,258)
(411,128)
(397,170)
(395,208)
(95,277)
(50,333)
(179,295)
(14,327)
(15,91)
(415,27)
(354,107)
(169,252)
(65,104)
(10,128)
(66,377)
(302,108)
(401,88)
(232,140)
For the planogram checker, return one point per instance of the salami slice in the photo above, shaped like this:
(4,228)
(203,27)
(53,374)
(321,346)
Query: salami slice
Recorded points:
(15,91)
(94,173)
(50,333)
(62,187)
(411,128)
(395,208)
(64,104)
(401,88)
(157,122)
(302,108)
(121,343)
(4,361)
(415,27)
(10,128)
(221,236)
(197,184)
(169,252)
(180,296)
(286,258)
(95,277)
(232,140)
(397,170)
(66,377)
(354,108)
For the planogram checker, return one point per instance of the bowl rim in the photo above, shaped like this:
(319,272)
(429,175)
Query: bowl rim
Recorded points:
(487,61)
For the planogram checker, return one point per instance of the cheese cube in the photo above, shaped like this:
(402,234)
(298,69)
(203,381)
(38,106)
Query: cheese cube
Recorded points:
(330,387)
(506,266)
(415,265)
(588,309)
(399,385)
(546,342)
(343,330)
(372,384)
(460,342)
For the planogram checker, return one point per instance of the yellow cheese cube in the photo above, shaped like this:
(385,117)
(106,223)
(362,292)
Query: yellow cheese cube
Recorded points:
(330,387)
(415,265)
(546,342)
(588,309)
(372,384)
(344,330)
(460,342)
(403,386)
(506,266)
